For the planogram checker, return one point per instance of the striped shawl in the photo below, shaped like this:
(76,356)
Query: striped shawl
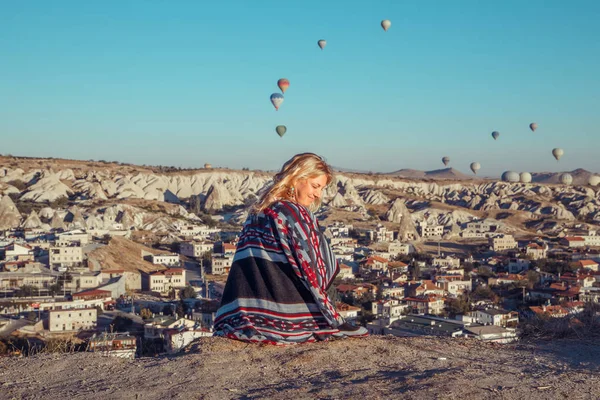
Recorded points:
(276,291)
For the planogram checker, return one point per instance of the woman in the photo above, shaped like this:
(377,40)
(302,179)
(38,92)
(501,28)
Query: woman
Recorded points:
(276,291)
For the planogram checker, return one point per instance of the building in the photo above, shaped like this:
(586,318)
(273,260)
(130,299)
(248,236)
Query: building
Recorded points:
(503,242)
(67,255)
(516,265)
(165,280)
(195,248)
(77,236)
(454,286)
(380,234)
(95,294)
(491,333)
(588,264)
(345,272)
(417,325)
(168,259)
(221,264)
(374,264)
(426,230)
(18,252)
(492,316)
(390,309)
(348,312)
(573,241)
(550,311)
(72,320)
(121,345)
(536,251)
(426,304)
(447,262)
(397,248)
(592,239)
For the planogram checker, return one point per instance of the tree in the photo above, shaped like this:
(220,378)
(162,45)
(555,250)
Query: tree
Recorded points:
(533,278)
(484,293)
(27,291)
(458,306)
(172,294)
(187,292)
(145,313)
(99,311)
(415,271)
(180,310)
(121,324)
(54,289)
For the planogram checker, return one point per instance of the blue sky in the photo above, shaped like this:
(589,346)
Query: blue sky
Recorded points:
(188,82)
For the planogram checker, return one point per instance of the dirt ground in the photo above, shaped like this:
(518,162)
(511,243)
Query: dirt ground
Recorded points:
(378,367)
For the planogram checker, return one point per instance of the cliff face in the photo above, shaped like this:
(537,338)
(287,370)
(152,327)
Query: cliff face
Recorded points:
(373,368)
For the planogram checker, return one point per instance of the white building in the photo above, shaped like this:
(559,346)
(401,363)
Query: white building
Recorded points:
(536,251)
(389,309)
(195,248)
(454,286)
(168,259)
(199,231)
(503,242)
(397,248)
(70,254)
(381,234)
(426,230)
(165,280)
(447,262)
(78,235)
(15,251)
(72,320)
(339,229)
(492,316)
(345,272)
(221,264)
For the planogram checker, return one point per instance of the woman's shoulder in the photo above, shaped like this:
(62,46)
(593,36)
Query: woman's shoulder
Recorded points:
(287,208)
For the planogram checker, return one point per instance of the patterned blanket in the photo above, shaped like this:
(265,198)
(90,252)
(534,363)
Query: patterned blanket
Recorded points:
(276,291)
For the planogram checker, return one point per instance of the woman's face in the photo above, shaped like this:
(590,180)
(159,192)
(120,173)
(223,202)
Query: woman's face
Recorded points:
(310,189)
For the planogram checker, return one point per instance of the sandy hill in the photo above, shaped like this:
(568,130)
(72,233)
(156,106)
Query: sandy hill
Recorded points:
(378,367)
(121,253)
(580,176)
(445,173)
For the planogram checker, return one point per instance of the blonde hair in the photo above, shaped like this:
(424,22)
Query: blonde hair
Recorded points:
(301,166)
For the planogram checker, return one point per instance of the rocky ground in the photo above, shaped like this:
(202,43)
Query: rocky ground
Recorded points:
(373,368)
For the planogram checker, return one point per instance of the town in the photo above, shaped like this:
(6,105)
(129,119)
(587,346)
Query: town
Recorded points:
(131,293)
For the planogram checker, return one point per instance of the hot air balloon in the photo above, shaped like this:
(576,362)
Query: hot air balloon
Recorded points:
(594,180)
(322,43)
(445,160)
(385,24)
(495,135)
(475,166)
(510,176)
(283,84)
(281,129)
(276,99)
(557,153)
(525,177)
(566,179)
(533,126)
